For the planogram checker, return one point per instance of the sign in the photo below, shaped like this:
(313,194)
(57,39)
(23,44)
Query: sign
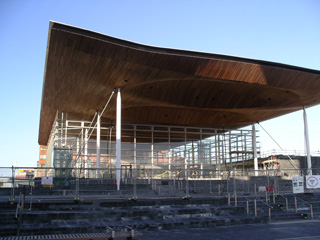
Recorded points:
(297,185)
(313,181)
(46,181)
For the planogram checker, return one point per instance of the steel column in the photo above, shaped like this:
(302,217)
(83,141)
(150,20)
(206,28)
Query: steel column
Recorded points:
(254,145)
(306,136)
(118,139)
(98,143)
(86,153)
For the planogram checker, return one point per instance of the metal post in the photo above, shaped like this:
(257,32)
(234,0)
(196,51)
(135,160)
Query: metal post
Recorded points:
(255,189)
(86,153)
(81,148)
(287,205)
(118,139)
(306,136)
(186,163)
(295,204)
(254,145)
(152,151)
(11,199)
(135,163)
(169,153)
(274,197)
(66,134)
(269,214)
(235,199)
(255,207)
(311,211)
(229,199)
(247,207)
(61,136)
(98,143)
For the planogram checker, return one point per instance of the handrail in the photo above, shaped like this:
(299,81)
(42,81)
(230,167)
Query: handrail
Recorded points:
(244,196)
(304,201)
(296,205)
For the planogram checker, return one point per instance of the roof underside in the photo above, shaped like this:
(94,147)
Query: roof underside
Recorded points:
(165,86)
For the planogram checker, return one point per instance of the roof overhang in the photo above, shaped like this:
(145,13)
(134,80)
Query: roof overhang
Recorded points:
(165,86)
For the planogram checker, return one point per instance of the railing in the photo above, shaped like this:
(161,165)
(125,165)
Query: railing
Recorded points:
(204,182)
(296,205)
(286,199)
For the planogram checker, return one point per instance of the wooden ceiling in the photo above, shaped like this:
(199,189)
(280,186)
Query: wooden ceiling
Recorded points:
(165,86)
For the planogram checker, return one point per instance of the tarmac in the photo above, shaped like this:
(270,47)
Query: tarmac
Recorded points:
(293,230)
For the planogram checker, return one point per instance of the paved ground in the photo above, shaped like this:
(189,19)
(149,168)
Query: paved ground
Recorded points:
(273,231)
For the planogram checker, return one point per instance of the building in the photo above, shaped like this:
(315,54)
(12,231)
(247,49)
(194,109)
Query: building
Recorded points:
(173,110)
(41,163)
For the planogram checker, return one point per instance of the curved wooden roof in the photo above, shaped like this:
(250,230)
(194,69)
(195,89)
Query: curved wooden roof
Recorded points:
(165,86)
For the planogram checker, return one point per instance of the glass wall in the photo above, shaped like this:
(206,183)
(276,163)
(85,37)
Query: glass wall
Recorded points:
(149,146)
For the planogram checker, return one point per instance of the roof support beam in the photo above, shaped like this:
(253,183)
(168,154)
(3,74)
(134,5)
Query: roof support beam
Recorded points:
(306,136)
(118,139)
(254,145)
(98,143)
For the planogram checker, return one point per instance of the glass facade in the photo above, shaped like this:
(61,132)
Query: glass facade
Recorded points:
(149,146)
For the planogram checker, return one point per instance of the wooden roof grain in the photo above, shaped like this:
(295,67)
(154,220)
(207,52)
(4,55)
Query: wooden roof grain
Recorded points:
(165,86)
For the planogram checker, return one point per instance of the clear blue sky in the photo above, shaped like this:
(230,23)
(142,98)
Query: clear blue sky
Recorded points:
(279,31)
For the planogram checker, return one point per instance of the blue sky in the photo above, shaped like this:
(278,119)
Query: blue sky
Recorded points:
(279,31)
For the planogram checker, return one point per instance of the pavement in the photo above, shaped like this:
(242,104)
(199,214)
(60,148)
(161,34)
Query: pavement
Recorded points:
(293,230)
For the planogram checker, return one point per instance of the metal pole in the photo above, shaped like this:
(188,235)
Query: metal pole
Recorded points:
(135,163)
(66,134)
(311,211)
(269,214)
(247,207)
(98,143)
(287,205)
(186,163)
(169,153)
(274,197)
(235,199)
(118,139)
(254,145)
(229,200)
(295,204)
(86,153)
(61,136)
(255,207)
(152,152)
(306,135)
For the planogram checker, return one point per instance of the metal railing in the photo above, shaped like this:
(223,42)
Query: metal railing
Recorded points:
(173,182)
(306,203)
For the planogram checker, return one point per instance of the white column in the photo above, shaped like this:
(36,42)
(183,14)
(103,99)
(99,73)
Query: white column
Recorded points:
(135,147)
(306,136)
(61,136)
(152,152)
(254,145)
(86,153)
(118,139)
(98,143)
(66,134)
(78,152)
(82,145)
(169,152)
